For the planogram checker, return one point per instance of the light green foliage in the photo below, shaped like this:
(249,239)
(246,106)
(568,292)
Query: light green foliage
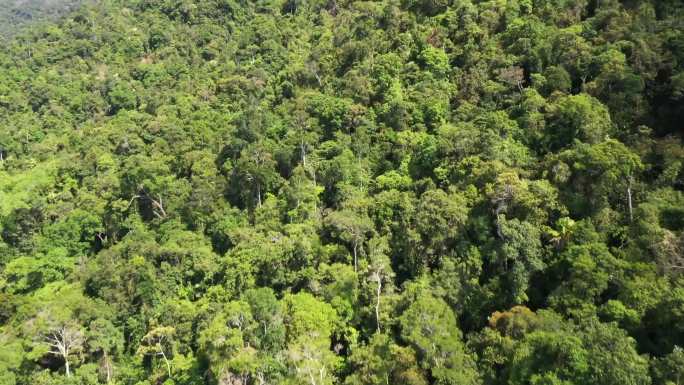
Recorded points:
(435,60)
(668,369)
(29,187)
(577,117)
(310,324)
(224,339)
(307,316)
(429,326)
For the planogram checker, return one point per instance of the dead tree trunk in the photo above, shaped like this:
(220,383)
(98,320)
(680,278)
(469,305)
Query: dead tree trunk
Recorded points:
(64,341)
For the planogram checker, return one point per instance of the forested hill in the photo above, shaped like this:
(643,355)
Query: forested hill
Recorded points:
(416,192)
(18,14)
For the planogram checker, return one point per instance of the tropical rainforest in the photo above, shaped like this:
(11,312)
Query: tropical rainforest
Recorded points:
(405,192)
(16,15)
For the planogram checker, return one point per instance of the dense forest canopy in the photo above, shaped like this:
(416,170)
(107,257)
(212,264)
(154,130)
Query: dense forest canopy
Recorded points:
(344,192)
(15,15)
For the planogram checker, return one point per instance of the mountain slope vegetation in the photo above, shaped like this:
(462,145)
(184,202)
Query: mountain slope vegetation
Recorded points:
(344,192)
(18,14)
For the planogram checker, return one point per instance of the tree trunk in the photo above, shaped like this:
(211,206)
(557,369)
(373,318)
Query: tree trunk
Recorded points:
(303,149)
(499,231)
(108,367)
(377,302)
(355,258)
(629,200)
(258,195)
(166,361)
(318,78)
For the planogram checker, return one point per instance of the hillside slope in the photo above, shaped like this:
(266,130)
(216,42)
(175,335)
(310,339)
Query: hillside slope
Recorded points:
(16,15)
(344,192)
